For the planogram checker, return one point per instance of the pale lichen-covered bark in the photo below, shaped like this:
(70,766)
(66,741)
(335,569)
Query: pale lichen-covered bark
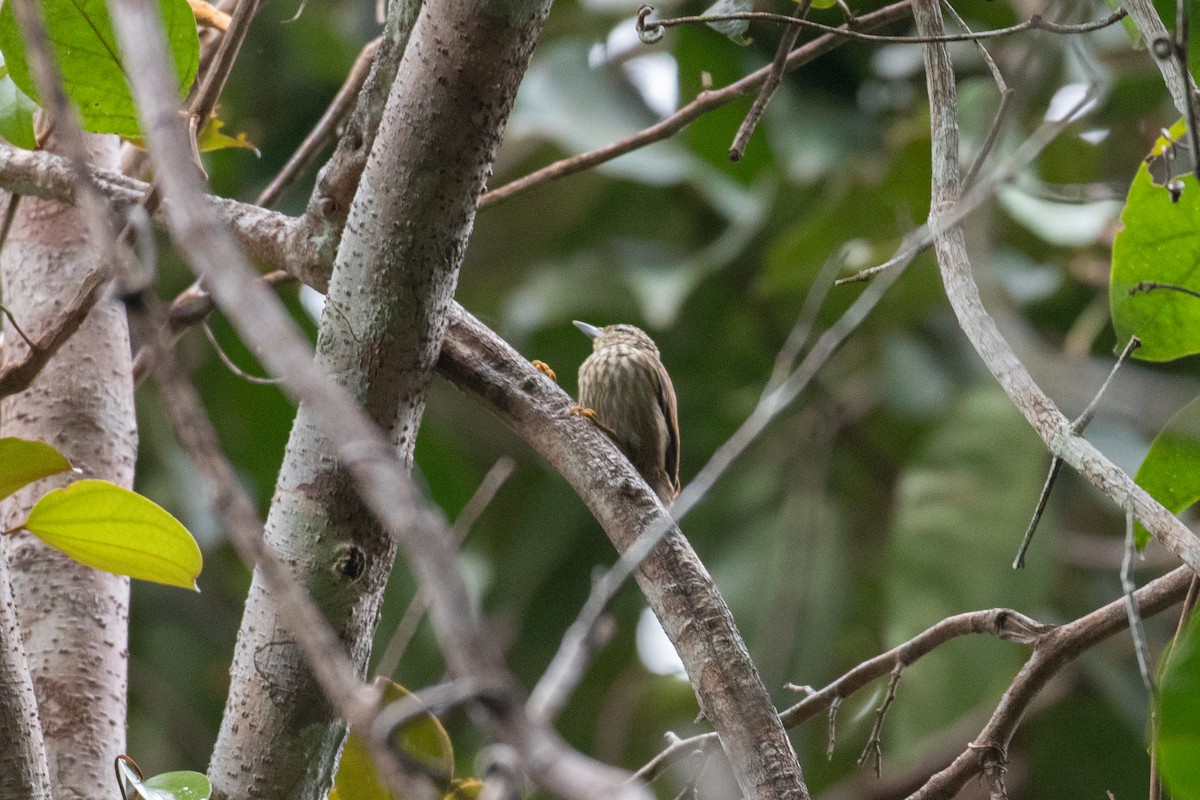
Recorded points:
(23,769)
(392,284)
(73,619)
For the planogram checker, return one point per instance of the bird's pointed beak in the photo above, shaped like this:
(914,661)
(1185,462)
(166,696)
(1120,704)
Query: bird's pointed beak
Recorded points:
(590,331)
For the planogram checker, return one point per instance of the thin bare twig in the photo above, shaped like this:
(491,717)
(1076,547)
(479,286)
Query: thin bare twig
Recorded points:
(767,90)
(1136,631)
(326,128)
(702,104)
(407,626)
(1001,111)
(19,374)
(228,362)
(191,307)
(1039,509)
(1003,623)
(874,747)
(1078,425)
(918,240)
(205,100)
(785,359)
(831,734)
(1035,22)
(1054,647)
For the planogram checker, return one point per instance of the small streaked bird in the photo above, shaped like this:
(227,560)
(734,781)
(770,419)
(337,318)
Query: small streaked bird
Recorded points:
(625,383)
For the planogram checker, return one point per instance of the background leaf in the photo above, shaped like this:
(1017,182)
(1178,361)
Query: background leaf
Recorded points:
(114,529)
(1171,470)
(23,461)
(735,29)
(423,738)
(1179,716)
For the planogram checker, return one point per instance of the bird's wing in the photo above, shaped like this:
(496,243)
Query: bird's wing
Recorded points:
(669,407)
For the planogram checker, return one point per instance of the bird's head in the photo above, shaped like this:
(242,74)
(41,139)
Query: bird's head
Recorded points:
(619,334)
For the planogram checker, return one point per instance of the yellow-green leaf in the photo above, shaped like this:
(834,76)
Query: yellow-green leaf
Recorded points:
(465,789)
(104,526)
(213,138)
(422,738)
(23,461)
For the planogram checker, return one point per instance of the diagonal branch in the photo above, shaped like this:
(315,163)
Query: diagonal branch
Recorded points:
(950,244)
(676,585)
(1052,651)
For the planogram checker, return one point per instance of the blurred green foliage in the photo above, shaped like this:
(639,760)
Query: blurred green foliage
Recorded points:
(892,493)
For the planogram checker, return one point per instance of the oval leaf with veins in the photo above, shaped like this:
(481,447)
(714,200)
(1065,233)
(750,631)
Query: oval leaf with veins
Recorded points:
(116,530)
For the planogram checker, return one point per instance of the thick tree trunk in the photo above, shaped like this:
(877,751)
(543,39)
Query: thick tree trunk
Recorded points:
(73,619)
(23,769)
(392,284)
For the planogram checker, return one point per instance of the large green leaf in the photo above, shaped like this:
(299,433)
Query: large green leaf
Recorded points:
(1171,470)
(114,529)
(91,63)
(23,461)
(1160,243)
(1179,717)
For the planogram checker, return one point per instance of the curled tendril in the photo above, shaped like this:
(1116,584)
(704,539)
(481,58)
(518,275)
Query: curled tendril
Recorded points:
(648,32)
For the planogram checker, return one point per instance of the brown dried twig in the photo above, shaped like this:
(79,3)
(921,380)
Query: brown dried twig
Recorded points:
(17,375)
(1036,22)
(702,104)
(326,128)
(765,92)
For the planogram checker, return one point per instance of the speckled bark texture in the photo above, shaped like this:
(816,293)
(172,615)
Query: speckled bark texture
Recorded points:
(23,769)
(392,284)
(73,618)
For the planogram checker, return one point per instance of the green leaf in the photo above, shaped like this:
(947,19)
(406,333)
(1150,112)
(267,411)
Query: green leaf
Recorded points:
(182,785)
(1159,242)
(23,461)
(213,138)
(1171,469)
(465,789)
(735,29)
(1179,716)
(90,61)
(16,113)
(422,738)
(114,529)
